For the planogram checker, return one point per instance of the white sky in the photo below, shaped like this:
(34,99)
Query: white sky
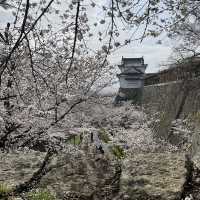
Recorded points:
(154,55)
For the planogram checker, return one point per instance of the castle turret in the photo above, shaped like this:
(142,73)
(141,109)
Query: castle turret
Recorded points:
(131,78)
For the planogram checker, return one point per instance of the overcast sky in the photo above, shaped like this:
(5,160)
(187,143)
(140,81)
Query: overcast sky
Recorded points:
(154,55)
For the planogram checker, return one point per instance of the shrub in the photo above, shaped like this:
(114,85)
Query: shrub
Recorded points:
(40,195)
(103,135)
(195,117)
(4,189)
(75,140)
(118,151)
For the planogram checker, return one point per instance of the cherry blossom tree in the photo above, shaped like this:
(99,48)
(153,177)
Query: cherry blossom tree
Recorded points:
(48,65)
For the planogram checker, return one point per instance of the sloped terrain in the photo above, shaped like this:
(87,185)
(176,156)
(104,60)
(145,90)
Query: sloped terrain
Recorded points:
(102,152)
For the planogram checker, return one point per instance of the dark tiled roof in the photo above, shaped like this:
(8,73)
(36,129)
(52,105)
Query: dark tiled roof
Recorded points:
(132,74)
(149,75)
(133,66)
(135,76)
(135,59)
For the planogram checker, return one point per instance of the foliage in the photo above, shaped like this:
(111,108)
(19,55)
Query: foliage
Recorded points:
(40,195)
(103,135)
(75,140)
(195,118)
(4,189)
(118,151)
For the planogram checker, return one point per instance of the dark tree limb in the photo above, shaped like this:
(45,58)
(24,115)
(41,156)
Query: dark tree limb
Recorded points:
(75,40)
(7,97)
(35,179)
(9,129)
(67,112)
(147,22)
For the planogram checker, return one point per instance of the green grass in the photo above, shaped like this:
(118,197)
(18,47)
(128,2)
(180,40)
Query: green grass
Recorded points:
(40,195)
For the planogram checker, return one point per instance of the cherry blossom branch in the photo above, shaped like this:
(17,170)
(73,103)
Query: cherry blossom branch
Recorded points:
(3,65)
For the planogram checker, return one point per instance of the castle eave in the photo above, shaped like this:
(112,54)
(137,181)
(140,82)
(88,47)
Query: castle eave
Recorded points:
(130,75)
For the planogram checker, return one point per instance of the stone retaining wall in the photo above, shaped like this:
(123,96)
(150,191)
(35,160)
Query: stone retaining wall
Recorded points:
(166,99)
(168,96)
